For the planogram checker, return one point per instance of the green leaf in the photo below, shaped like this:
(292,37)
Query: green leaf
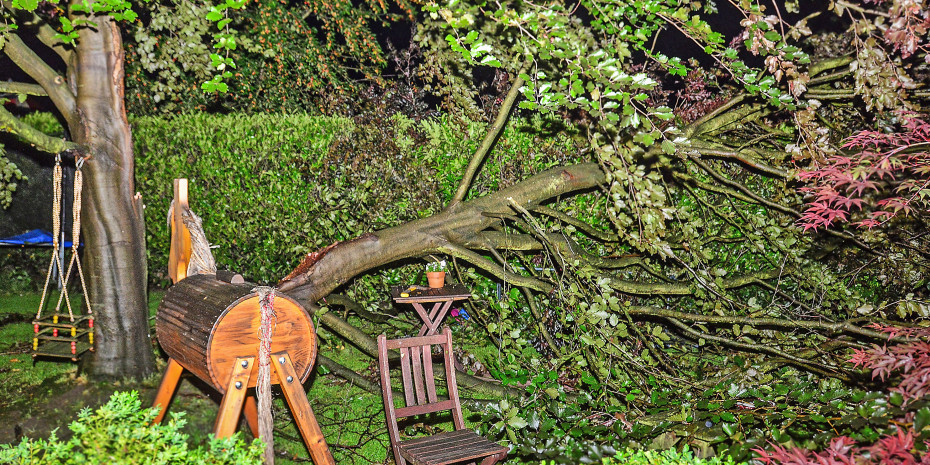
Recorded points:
(214,14)
(921,419)
(729,428)
(28,5)
(517,422)
(668,147)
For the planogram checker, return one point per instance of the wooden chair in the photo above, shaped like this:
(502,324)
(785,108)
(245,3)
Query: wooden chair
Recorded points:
(416,366)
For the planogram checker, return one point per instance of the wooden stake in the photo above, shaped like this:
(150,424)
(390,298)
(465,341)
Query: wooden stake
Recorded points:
(180,253)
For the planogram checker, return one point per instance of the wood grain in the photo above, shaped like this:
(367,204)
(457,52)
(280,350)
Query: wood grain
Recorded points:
(205,324)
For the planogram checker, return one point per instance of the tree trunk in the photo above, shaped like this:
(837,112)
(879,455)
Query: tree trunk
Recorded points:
(326,270)
(112,224)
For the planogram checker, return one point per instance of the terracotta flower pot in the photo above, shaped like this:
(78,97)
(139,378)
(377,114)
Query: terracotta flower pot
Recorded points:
(436,279)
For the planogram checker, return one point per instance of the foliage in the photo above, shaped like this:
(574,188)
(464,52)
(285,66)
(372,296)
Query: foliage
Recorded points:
(437,265)
(666,457)
(9,175)
(272,188)
(908,441)
(121,432)
(582,60)
(276,56)
(572,421)
(896,164)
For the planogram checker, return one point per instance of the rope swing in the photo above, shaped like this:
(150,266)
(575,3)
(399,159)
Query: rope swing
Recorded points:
(77,336)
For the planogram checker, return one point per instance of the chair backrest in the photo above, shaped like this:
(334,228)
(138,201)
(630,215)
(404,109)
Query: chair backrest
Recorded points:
(416,367)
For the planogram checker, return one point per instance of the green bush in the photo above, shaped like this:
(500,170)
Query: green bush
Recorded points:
(271,188)
(121,432)
(666,457)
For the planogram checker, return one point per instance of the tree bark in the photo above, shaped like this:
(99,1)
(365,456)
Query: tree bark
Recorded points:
(112,222)
(324,271)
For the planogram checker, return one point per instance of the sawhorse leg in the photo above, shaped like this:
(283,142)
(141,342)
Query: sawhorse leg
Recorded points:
(250,411)
(300,408)
(169,384)
(231,406)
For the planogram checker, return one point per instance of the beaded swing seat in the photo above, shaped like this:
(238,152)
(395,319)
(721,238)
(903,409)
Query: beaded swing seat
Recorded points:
(64,335)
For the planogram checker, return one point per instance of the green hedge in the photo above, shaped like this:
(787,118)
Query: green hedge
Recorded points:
(121,432)
(271,188)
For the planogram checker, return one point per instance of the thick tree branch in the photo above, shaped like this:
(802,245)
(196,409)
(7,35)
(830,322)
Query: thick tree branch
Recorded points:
(695,128)
(742,156)
(819,368)
(525,242)
(488,143)
(670,289)
(826,65)
(578,224)
(53,83)
(22,88)
(349,304)
(427,235)
(495,269)
(31,135)
(44,32)
(831,328)
(350,375)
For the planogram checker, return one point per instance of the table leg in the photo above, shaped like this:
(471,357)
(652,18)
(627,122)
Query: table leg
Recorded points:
(434,319)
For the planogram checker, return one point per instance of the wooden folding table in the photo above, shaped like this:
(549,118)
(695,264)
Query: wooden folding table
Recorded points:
(441,298)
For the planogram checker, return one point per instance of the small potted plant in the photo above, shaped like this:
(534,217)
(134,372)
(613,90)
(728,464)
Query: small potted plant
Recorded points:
(436,273)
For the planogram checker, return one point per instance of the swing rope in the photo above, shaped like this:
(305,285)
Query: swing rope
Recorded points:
(263,383)
(75,240)
(56,227)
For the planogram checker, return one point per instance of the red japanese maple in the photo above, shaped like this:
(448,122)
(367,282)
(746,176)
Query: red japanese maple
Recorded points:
(890,170)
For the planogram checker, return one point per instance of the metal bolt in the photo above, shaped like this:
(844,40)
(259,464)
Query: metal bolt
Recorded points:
(245,363)
(281,360)
(238,384)
(290,379)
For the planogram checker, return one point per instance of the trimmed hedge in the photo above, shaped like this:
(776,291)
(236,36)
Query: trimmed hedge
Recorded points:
(121,432)
(271,188)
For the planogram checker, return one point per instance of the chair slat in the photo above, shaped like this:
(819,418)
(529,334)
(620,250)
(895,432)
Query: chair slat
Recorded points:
(428,375)
(449,447)
(416,355)
(435,339)
(423,409)
(405,374)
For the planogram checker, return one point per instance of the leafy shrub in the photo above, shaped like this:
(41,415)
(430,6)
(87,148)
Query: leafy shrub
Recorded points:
(23,270)
(666,457)
(271,188)
(121,432)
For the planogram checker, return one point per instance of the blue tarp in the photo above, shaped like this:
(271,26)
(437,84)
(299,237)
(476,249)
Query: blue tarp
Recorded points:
(34,238)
